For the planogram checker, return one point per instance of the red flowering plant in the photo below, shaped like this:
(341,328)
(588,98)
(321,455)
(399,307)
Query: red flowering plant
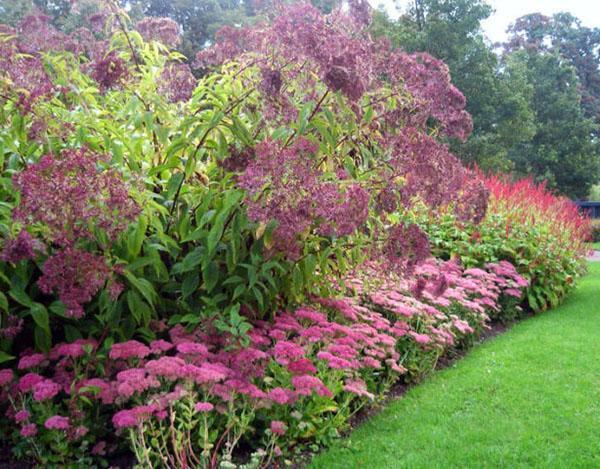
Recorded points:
(542,234)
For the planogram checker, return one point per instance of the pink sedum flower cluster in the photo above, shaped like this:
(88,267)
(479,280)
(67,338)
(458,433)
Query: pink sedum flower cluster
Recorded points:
(328,351)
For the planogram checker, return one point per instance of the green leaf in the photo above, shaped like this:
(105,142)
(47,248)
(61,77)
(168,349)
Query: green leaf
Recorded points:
(234,279)
(3,302)
(136,237)
(190,261)
(532,301)
(239,291)
(20,296)
(5,357)
(210,275)
(259,297)
(39,313)
(58,308)
(43,339)
(241,132)
(173,185)
(71,333)
(143,286)
(190,284)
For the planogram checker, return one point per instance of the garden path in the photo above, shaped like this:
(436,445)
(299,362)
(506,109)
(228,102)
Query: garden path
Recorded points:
(594,256)
(527,398)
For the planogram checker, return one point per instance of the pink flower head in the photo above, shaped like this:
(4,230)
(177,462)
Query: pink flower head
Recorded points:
(99,448)
(420,338)
(279,396)
(30,361)
(358,387)
(286,351)
(192,348)
(22,247)
(163,30)
(109,70)
(6,376)
(124,419)
(204,407)
(57,422)
(302,367)
(311,315)
(80,432)
(171,368)
(28,381)
(278,427)
(22,416)
(29,430)
(204,374)
(99,389)
(129,349)
(513,292)
(71,195)
(160,346)
(132,417)
(45,390)
(73,350)
(76,276)
(306,384)
(12,327)
(177,82)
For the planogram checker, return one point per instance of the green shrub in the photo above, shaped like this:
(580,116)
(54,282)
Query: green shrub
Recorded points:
(544,236)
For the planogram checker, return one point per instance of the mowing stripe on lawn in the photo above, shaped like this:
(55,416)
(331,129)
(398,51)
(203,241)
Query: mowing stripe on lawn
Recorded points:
(527,398)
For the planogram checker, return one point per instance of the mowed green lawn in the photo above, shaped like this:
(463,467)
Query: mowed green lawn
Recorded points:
(527,398)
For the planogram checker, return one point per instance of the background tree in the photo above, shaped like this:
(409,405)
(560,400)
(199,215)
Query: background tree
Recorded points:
(563,151)
(564,34)
(451,30)
(532,105)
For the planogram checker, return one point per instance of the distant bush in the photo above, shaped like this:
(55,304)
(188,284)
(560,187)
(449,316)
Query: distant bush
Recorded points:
(543,235)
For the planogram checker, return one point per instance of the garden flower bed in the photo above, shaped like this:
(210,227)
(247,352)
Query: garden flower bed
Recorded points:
(223,270)
(488,416)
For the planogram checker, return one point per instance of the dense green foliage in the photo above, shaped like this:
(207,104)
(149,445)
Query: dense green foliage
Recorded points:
(563,34)
(481,410)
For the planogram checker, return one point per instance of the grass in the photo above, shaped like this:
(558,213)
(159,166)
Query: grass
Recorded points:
(596,246)
(527,398)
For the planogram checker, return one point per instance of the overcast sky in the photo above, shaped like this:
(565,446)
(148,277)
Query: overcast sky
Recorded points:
(506,11)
